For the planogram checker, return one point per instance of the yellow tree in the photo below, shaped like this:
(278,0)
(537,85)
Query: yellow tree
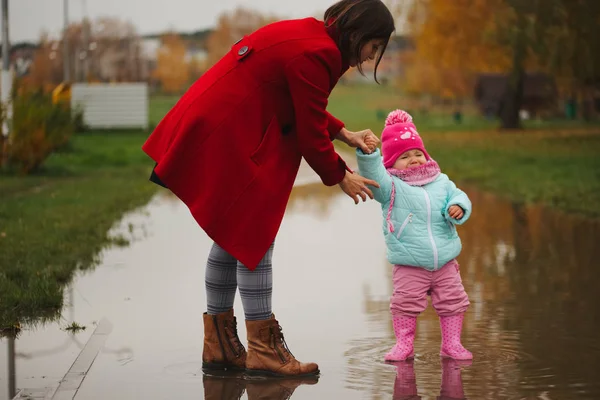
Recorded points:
(230,28)
(172,70)
(41,71)
(468,37)
(453,43)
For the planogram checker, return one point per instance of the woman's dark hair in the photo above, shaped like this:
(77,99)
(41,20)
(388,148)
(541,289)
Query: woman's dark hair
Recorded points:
(357,22)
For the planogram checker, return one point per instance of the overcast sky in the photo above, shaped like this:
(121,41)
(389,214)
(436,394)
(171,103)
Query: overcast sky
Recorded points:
(28,18)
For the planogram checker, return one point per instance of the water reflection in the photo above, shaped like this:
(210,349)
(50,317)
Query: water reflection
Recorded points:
(405,384)
(12,374)
(532,279)
(232,387)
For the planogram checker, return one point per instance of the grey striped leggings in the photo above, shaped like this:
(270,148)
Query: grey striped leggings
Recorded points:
(224,274)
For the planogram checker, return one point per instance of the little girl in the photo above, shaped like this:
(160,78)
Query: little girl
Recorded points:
(421,207)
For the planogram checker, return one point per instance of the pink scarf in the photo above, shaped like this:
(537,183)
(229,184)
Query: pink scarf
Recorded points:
(417,176)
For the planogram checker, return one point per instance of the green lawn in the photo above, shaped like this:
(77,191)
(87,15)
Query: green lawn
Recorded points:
(57,221)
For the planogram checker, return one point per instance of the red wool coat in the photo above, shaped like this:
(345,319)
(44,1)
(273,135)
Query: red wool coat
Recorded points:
(231,147)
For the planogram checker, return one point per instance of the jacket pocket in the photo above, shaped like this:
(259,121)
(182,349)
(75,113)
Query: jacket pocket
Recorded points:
(407,221)
(268,143)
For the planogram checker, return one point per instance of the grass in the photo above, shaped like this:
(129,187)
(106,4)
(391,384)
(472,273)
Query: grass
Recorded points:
(359,105)
(554,163)
(57,221)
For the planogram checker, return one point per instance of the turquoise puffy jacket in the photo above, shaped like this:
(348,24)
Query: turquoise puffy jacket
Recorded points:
(424,234)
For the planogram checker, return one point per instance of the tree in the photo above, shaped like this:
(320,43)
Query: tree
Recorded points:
(452,45)
(468,37)
(41,70)
(230,28)
(172,70)
(573,51)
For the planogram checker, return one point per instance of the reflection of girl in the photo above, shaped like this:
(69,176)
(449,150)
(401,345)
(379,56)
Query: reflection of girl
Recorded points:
(421,207)
(231,148)
(405,384)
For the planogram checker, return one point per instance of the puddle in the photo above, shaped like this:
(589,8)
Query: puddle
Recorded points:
(533,324)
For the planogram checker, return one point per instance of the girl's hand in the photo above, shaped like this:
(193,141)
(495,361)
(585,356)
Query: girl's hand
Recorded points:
(371,141)
(355,186)
(456,212)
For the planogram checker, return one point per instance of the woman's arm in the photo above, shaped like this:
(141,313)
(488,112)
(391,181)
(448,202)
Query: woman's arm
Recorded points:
(309,80)
(335,127)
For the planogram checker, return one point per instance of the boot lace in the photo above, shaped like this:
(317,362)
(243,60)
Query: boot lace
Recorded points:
(278,335)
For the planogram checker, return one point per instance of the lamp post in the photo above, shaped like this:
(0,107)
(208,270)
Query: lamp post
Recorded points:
(66,72)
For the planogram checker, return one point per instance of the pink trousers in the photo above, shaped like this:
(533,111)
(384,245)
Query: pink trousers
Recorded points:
(413,284)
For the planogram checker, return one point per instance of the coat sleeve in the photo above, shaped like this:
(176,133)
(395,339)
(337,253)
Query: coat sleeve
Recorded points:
(309,79)
(371,167)
(334,126)
(457,198)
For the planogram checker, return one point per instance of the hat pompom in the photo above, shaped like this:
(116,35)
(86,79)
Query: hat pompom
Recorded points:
(398,117)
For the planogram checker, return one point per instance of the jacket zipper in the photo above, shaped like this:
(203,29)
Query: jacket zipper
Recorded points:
(430,231)
(403,226)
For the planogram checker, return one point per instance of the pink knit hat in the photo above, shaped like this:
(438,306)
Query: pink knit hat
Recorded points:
(399,136)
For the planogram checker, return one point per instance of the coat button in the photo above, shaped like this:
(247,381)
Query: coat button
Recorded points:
(243,50)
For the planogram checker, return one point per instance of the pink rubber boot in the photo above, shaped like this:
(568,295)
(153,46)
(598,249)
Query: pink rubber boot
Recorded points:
(404,329)
(451,346)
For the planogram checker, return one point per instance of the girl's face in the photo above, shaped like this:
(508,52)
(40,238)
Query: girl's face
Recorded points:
(410,159)
(369,51)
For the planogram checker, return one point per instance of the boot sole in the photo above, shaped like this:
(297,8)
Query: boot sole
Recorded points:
(209,367)
(271,374)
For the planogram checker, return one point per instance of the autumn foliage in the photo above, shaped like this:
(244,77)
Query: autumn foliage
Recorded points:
(172,69)
(458,40)
(39,129)
(454,42)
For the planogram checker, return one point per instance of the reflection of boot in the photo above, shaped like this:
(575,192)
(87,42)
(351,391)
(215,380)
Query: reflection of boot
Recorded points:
(451,331)
(222,347)
(223,388)
(268,353)
(452,386)
(405,385)
(404,329)
(276,389)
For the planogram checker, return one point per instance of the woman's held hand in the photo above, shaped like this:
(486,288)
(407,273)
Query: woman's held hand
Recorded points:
(355,186)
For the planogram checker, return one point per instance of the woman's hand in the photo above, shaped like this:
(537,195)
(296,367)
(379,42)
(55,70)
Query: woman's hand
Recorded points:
(358,139)
(355,186)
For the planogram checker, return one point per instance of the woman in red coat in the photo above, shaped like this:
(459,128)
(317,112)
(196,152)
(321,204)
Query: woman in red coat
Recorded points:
(231,147)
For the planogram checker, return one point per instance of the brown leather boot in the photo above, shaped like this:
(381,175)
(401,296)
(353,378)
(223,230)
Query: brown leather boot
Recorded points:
(222,347)
(223,388)
(269,355)
(276,389)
